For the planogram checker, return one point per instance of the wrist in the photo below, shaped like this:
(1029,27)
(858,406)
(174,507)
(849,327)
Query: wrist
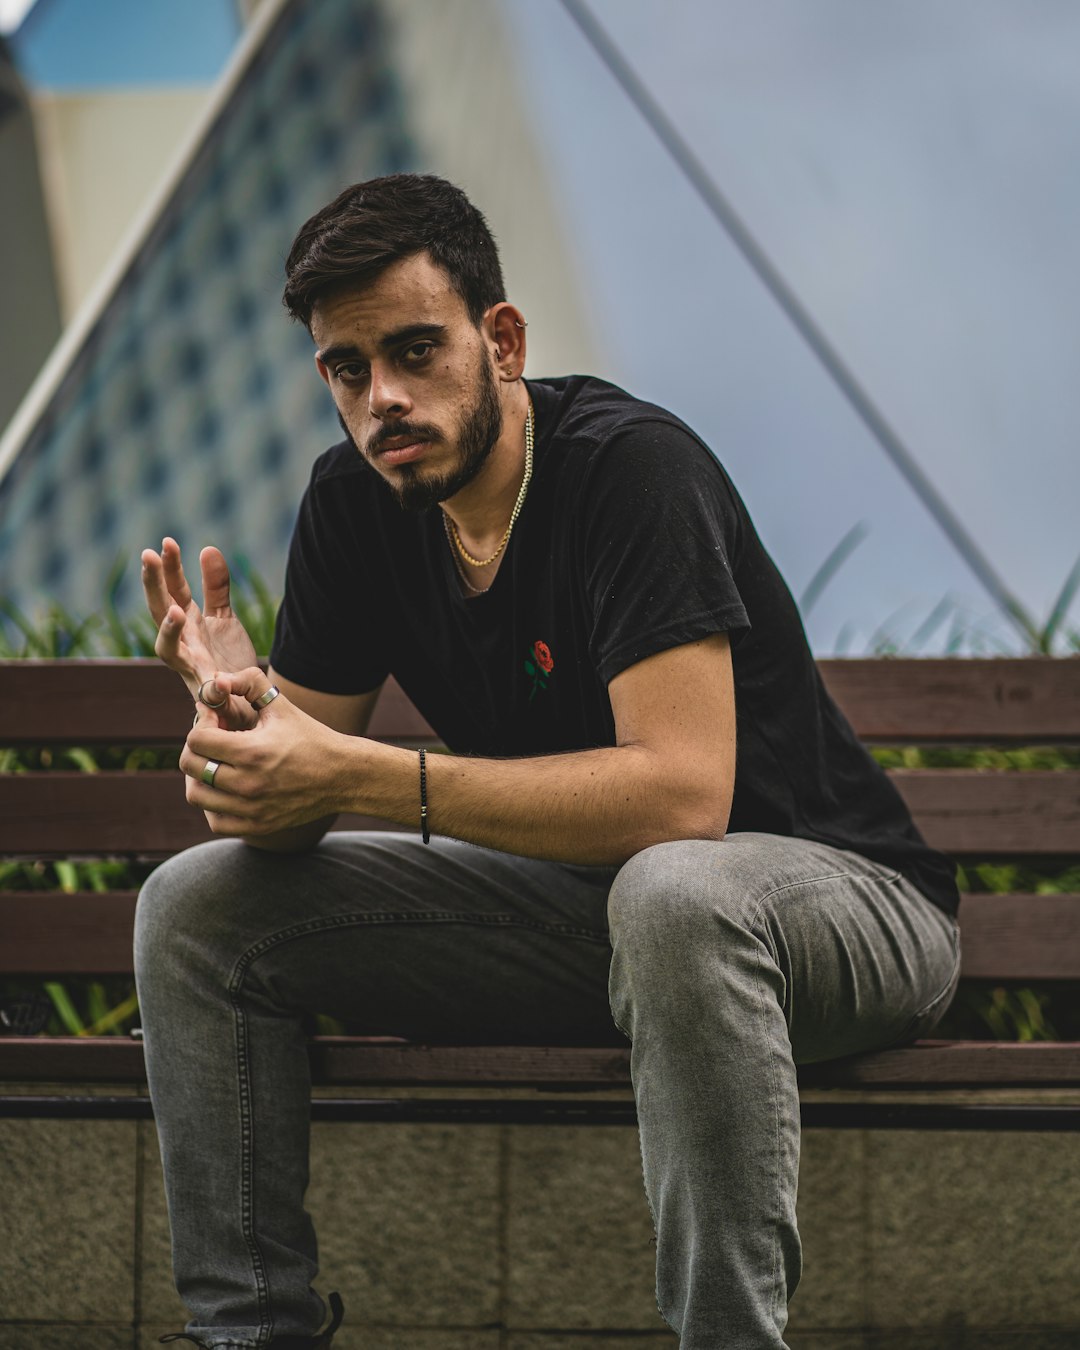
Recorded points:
(379,780)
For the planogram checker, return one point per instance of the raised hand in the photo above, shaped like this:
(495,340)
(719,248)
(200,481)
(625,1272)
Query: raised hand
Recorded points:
(196,642)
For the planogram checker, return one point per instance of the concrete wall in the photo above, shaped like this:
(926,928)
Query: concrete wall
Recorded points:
(538,1238)
(29,302)
(482,134)
(103,154)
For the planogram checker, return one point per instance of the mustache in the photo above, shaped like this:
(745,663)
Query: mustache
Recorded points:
(419,431)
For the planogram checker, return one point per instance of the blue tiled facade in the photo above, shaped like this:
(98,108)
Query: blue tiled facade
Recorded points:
(193,407)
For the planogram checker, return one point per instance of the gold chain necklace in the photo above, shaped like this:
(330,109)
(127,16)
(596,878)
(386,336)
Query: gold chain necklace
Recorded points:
(453,529)
(476,590)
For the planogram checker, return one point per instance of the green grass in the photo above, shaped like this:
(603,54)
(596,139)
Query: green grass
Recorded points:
(950,626)
(54,632)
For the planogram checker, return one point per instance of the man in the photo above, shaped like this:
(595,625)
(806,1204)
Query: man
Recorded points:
(566,583)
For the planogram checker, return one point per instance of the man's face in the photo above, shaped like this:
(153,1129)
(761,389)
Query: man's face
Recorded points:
(412,379)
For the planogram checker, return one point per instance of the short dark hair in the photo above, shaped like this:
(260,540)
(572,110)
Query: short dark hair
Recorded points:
(371,225)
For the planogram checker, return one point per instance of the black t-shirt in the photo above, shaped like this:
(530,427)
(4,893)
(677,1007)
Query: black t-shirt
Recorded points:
(632,540)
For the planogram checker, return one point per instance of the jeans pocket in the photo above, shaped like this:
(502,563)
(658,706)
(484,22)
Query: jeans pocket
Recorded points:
(927,1018)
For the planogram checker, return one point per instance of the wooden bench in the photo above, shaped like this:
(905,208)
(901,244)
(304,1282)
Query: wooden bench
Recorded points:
(934,1084)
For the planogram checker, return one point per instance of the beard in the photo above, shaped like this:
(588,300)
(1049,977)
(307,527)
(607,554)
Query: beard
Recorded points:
(416,490)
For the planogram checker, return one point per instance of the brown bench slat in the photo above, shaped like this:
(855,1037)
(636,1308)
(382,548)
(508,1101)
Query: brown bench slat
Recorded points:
(1020,937)
(139,701)
(967,811)
(1019,699)
(957,1063)
(45,814)
(91,702)
(61,814)
(341,1062)
(962,811)
(336,1061)
(49,933)
(134,702)
(1006,937)
(71,1059)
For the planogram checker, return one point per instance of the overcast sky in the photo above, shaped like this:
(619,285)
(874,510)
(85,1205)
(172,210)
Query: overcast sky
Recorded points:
(912,170)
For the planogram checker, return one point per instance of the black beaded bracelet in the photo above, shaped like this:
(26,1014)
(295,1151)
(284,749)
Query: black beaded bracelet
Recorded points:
(423,798)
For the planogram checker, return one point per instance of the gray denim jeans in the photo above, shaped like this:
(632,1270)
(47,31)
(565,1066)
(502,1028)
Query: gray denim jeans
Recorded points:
(726,964)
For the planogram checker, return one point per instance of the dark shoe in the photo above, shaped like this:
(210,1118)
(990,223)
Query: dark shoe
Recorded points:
(319,1342)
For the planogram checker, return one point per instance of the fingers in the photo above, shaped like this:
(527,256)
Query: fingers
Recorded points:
(166,644)
(215,580)
(228,811)
(165,588)
(175,580)
(213,774)
(157,595)
(212,696)
(214,734)
(165,581)
(250,684)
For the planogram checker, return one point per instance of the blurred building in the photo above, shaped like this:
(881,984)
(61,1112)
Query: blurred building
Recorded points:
(181,400)
(107,94)
(31,300)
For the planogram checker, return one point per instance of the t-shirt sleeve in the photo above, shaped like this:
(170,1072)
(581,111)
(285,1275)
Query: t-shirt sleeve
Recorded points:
(663,526)
(327,626)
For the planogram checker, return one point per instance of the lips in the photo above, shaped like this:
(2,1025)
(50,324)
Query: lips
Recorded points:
(401,450)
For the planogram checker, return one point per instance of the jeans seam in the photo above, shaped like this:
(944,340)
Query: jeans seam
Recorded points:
(946,992)
(775,1092)
(778,1304)
(247,1165)
(803,881)
(247,1124)
(391,917)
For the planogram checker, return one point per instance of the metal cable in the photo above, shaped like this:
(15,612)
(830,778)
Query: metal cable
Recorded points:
(723,212)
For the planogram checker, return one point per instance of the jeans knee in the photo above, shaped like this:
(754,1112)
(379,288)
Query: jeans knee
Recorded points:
(184,899)
(686,938)
(670,895)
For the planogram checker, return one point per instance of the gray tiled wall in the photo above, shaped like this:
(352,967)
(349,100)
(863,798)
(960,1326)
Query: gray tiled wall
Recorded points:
(503,1238)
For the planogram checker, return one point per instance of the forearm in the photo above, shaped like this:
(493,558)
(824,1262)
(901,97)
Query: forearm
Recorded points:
(670,777)
(593,807)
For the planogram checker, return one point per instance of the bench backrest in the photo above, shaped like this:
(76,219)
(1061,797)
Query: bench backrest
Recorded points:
(969,813)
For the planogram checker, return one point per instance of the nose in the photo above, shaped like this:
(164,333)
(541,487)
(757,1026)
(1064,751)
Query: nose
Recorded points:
(387,398)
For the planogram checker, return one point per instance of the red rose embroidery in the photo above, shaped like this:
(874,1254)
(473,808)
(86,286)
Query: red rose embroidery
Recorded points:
(538,666)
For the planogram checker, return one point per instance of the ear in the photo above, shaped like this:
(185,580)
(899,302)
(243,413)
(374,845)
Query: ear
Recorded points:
(503,327)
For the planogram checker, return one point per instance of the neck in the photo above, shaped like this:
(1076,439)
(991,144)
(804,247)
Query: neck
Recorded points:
(481,511)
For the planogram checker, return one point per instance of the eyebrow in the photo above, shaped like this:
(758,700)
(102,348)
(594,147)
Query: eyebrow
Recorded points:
(410,332)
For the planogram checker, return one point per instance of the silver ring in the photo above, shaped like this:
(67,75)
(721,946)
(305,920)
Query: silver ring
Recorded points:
(209,772)
(206,700)
(266,698)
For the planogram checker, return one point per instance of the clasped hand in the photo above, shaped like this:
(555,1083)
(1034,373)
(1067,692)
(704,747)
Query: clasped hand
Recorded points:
(278,773)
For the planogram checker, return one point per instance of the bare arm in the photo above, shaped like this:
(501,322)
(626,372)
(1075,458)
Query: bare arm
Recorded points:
(669,776)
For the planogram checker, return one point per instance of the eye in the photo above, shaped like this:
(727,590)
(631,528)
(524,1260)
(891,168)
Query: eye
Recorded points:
(350,372)
(418,351)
